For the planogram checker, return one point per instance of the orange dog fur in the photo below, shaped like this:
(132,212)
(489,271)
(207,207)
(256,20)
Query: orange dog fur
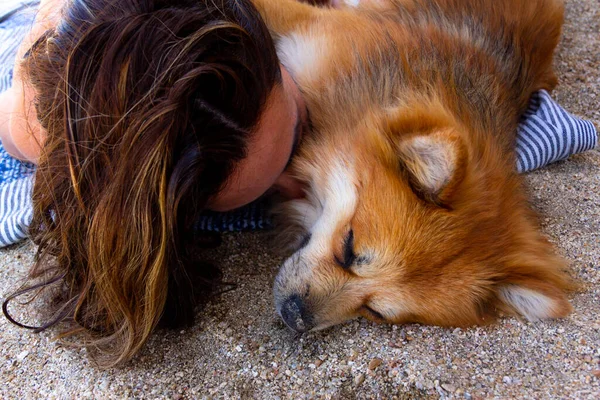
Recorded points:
(414,211)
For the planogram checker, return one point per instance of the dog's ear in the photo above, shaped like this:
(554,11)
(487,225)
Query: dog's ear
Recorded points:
(434,163)
(430,150)
(534,280)
(534,299)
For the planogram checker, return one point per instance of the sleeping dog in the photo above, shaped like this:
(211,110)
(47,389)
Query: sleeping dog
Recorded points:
(413,210)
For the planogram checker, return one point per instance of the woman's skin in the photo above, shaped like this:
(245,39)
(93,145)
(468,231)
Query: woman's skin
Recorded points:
(269,150)
(7,100)
(20,131)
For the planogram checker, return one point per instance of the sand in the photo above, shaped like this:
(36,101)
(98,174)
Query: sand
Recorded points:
(240,349)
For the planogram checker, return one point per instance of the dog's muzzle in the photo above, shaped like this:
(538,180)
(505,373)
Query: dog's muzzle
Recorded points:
(295,314)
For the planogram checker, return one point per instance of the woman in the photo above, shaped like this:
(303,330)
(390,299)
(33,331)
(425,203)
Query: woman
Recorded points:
(149,112)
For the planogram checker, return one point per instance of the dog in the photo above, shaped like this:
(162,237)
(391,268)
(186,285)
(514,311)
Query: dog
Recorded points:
(413,209)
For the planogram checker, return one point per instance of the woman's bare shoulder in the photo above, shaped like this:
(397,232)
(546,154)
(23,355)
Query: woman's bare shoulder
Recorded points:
(24,136)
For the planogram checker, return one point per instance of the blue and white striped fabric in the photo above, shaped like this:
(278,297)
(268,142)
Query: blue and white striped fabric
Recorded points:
(16,18)
(16,177)
(252,217)
(16,185)
(547,133)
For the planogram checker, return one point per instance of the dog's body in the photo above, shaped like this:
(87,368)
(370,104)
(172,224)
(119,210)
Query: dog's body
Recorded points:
(413,210)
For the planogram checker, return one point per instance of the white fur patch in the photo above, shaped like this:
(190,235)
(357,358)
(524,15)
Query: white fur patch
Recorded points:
(531,304)
(303,55)
(352,3)
(339,196)
(327,206)
(305,213)
(339,199)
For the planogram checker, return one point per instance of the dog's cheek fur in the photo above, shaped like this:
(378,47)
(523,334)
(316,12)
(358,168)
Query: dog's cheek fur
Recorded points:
(453,266)
(294,220)
(464,265)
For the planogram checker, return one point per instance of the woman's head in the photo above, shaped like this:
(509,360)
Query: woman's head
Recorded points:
(154,110)
(270,149)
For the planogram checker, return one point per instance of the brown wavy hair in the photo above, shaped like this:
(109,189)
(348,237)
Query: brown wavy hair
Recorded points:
(148,106)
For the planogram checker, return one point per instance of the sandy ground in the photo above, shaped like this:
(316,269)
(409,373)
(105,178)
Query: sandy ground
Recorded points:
(239,348)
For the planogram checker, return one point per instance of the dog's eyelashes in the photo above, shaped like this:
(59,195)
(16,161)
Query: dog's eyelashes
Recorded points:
(374,313)
(348,256)
(304,242)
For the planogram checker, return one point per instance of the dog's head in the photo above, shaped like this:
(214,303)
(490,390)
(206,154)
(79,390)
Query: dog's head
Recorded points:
(409,218)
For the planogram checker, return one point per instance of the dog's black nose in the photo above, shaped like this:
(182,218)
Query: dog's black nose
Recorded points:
(293,312)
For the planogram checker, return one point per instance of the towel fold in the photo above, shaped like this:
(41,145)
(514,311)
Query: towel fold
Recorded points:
(547,133)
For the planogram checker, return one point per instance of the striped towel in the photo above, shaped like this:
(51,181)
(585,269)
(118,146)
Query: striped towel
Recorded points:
(547,133)
(16,177)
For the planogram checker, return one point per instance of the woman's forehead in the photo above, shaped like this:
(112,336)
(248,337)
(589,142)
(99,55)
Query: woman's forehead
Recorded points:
(269,151)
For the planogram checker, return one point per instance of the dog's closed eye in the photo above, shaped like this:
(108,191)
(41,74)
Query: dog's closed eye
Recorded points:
(348,257)
(304,241)
(373,313)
